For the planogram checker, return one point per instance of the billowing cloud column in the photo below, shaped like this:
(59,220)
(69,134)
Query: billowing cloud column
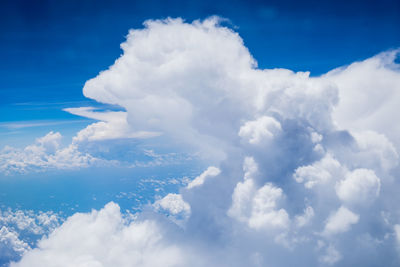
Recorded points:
(295,182)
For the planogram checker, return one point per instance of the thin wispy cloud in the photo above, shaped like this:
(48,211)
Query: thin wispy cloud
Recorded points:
(28,124)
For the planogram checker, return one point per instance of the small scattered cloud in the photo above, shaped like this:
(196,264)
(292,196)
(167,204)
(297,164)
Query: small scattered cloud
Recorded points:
(199,180)
(17,228)
(340,221)
(46,153)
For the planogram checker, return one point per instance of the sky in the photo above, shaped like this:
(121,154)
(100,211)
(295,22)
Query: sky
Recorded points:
(208,133)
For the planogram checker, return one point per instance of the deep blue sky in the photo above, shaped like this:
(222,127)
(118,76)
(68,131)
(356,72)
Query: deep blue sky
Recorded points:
(48,49)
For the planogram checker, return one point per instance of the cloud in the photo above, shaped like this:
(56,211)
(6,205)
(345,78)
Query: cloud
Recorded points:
(319,172)
(201,94)
(305,172)
(331,257)
(112,125)
(45,153)
(257,207)
(340,221)
(369,94)
(257,130)
(199,180)
(35,223)
(173,203)
(376,150)
(397,232)
(304,219)
(174,206)
(359,186)
(17,228)
(27,124)
(11,246)
(131,243)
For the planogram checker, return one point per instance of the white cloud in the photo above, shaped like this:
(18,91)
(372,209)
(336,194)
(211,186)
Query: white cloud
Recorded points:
(199,180)
(242,200)
(331,256)
(359,187)
(10,244)
(174,205)
(36,123)
(45,153)
(264,128)
(37,224)
(396,228)
(112,125)
(340,221)
(198,85)
(265,213)
(258,207)
(375,150)
(320,172)
(369,94)
(304,219)
(17,228)
(102,238)
(201,94)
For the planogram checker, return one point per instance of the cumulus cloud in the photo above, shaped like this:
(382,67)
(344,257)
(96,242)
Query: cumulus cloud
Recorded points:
(264,128)
(304,219)
(199,180)
(331,256)
(375,150)
(306,166)
(45,153)
(320,172)
(368,102)
(397,232)
(17,228)
(111,125)
(174,206)
(10,245)
(359,186)
(340,221)
(257,207)
(105,238)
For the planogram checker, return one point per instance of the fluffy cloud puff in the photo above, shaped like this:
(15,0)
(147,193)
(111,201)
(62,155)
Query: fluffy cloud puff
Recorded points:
(199,180)
(105,238)
(340,221)
(369,102)
(298,183)
(359,186)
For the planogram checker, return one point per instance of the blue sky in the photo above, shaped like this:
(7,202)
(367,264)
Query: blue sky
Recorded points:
(173,121)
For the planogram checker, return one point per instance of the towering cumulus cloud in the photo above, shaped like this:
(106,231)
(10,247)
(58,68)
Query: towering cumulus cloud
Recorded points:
(305,169)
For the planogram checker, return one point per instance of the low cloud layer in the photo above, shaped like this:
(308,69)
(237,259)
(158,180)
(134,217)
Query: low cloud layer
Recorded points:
(20,228)
(306,167)
(46,153)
